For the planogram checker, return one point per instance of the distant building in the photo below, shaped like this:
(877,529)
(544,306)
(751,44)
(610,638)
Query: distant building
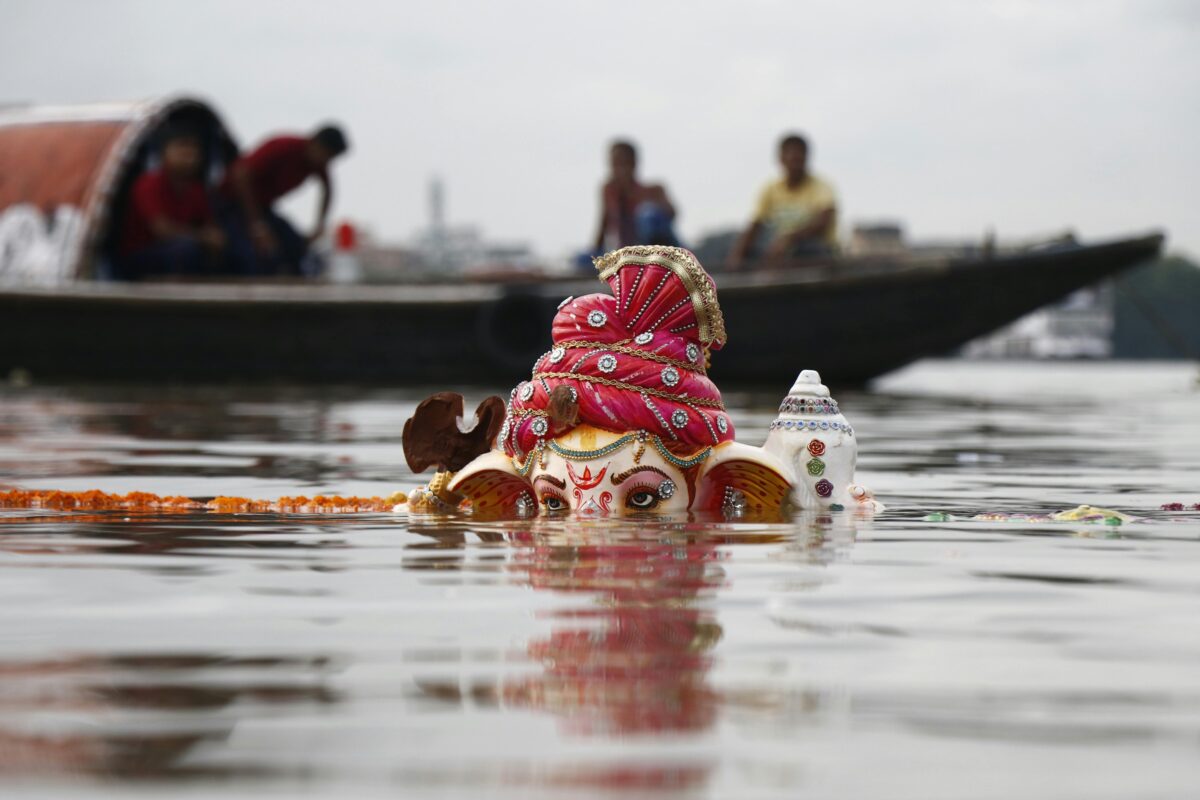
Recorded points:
(448,250)
(440,251)
(382,263)
(887,239)
(876,239)
(1080,326)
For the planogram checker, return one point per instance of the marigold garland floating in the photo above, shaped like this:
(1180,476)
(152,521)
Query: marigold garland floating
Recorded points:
(96,500)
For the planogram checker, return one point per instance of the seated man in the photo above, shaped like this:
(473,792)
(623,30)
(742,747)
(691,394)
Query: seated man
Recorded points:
(797,212)
(632,212)
(263,242)
(168,227)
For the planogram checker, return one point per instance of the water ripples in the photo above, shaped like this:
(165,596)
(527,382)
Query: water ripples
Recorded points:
(834,656)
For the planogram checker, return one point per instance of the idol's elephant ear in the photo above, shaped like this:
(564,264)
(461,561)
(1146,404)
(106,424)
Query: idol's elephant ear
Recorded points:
(494,489)
(744,482)
(438,435)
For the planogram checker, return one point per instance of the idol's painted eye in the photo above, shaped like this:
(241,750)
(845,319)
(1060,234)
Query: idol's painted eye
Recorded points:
(642,499)
(554,503)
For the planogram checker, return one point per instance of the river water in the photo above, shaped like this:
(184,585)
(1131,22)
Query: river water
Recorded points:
(364,656)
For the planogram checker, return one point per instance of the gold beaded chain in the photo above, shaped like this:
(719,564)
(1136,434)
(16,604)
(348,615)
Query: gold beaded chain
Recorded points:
(700,401)
(632,351)
(522,413)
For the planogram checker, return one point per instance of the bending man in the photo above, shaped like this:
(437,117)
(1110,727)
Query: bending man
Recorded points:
(263,241)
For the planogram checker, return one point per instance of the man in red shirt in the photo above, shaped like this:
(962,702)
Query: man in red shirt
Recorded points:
(168,227)
(264,243)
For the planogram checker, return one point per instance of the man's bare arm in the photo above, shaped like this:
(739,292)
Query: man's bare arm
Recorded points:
(325,205)
(603,225)
(164,228)
(658,194)
(244,192)
(737,256)
(208,235)
(814,229)
(260,232)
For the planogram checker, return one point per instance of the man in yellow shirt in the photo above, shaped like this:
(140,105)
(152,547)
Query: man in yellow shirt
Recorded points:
(797,212)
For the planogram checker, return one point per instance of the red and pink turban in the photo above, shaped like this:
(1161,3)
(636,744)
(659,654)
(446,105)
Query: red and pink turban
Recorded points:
(633,361)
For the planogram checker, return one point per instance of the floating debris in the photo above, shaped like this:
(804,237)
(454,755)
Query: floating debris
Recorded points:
(1087,513)
(1084,513)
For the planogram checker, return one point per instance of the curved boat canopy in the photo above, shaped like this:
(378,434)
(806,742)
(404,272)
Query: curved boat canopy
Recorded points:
(65,172)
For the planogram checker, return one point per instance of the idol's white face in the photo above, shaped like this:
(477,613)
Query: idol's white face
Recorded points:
(611,484)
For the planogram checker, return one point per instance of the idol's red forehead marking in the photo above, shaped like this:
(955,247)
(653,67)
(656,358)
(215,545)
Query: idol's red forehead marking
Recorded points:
(586,480)
(620,477)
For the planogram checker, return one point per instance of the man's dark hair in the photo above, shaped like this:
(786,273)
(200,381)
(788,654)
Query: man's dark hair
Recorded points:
(332,139)
(626,147)
(792,139)
(180,131)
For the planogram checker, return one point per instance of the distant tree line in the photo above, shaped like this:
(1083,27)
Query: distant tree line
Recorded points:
(1156,310)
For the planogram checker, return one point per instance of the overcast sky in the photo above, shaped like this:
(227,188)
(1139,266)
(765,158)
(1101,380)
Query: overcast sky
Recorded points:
(953,116)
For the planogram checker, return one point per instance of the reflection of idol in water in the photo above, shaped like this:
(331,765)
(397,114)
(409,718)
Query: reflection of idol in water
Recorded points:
(633,658)
(636,661)
(632,662)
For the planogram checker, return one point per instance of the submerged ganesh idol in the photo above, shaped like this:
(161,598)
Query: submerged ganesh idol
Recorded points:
(620,417)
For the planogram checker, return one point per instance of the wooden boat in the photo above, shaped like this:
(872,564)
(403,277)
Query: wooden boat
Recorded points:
(65,175)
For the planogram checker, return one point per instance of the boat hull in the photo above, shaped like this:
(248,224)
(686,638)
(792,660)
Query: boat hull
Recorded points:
(852,323)
(856,328)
